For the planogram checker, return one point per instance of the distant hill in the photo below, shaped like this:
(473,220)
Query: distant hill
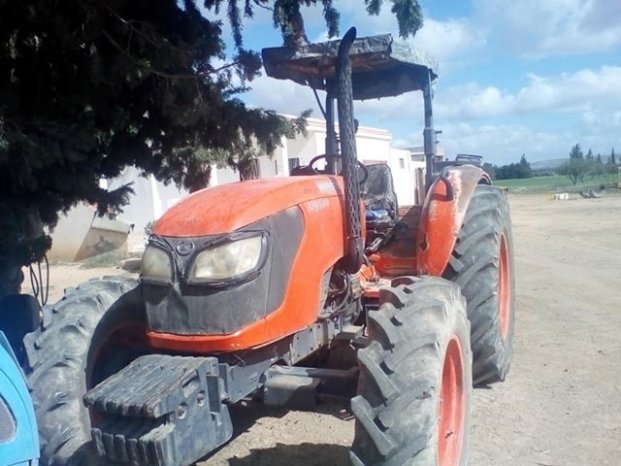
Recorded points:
(547,164)
(553,164)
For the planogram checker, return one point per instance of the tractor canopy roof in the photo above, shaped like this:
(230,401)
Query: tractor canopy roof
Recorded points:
(381,66)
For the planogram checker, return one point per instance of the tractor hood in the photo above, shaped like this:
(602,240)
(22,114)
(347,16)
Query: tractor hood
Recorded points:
(381,66)
(223,209)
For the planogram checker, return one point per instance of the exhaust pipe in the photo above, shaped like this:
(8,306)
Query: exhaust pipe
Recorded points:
(354,257)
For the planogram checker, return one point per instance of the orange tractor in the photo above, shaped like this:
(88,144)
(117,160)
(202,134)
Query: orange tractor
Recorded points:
(293,290)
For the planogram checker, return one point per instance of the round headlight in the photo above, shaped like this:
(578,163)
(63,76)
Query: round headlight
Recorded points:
(156,264)
(227,260)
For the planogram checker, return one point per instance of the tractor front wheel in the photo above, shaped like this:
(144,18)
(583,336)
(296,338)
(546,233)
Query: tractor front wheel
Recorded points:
(482,265)
(94,331)
(413,403)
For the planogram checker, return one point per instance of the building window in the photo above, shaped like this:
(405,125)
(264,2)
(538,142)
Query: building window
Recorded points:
(293,162)
(275,167)
(401,162)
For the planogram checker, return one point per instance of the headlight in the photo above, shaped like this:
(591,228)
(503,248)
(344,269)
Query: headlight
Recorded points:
(156,264)
(228,260)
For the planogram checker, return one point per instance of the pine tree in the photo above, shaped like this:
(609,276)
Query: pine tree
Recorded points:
(576,168)
(89,87)
(576,152)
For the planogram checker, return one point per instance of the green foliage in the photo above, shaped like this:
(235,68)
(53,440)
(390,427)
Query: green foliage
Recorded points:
(89,87)
(542,184)
(287,16)
(576,152)
(514,170)
(579,166)
(575,169)
(490,170)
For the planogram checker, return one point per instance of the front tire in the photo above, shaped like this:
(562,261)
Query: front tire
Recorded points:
(482,265)
(413,403)
(95,330)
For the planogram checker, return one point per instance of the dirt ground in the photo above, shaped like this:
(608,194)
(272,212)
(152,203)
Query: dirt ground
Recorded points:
(561,403)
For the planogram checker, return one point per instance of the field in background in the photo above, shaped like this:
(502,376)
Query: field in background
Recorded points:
(554,183)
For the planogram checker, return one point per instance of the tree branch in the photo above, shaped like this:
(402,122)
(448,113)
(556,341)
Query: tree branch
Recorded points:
(165,74)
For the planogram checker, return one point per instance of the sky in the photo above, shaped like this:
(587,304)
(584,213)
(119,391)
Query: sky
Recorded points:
(516,77)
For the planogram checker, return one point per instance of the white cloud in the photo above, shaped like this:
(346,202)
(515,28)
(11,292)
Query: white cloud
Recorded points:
(505,143)
(536,28)
(587,99)
(567,91)
(543,118)
(282,96)
(598,121)
(451,42)
(502,144)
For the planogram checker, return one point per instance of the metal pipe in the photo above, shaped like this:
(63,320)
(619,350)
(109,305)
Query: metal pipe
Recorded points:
(429,134)
(331,141)
(355,249)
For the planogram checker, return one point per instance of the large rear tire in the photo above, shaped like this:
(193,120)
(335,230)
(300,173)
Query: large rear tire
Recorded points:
(413,403)
(482,265)
(95,330)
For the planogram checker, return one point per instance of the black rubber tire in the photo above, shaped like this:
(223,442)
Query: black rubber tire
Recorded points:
(475,267)
(60,356)
(401,370)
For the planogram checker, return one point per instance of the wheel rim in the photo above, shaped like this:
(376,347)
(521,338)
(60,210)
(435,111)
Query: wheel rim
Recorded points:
(504,288)
(452,405)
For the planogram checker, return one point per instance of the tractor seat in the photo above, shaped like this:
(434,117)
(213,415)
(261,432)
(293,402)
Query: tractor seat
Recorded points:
(380,200)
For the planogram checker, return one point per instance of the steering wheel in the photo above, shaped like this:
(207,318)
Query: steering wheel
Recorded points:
(365,172)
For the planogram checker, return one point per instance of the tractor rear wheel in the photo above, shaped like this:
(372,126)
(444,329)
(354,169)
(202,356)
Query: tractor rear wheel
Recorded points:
(482,265)
(413,403)
(95,330)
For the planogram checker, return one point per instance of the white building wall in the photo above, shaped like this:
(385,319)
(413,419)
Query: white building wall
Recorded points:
(304,149)
(404,175)
(151,198)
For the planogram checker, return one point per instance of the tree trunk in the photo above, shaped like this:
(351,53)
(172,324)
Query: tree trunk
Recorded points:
(248,170)
(198,179)
(11,278)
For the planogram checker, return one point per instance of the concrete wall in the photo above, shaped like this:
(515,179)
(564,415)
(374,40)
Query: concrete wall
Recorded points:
(81,234)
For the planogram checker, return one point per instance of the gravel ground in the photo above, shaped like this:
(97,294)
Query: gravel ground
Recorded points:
(561,404)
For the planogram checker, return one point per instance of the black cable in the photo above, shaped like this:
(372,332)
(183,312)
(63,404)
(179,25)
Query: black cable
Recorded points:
(36,281)
(45,293)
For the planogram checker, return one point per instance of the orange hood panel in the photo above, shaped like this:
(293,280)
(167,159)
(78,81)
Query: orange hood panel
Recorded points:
(226,208)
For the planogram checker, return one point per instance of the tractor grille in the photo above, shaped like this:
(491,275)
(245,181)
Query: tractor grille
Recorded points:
(7,423)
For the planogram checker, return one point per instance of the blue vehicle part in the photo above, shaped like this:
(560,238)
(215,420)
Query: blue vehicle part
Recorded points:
(19,315)
(19,442)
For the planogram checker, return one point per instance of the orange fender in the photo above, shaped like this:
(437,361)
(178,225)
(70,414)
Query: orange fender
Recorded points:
(442,216)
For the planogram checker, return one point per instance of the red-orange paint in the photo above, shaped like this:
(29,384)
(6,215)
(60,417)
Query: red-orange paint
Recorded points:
(228,207)
(441,218)
(452,405)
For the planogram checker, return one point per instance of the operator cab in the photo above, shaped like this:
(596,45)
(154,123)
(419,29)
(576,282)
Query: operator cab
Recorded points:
(380,67)
(377,191)
(380,202)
